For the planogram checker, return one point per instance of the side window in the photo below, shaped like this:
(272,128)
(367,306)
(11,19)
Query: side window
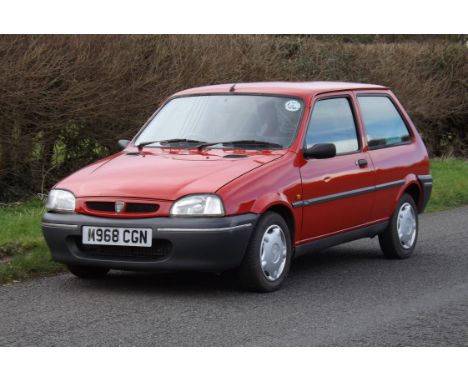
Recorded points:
(382,121)
(332,121)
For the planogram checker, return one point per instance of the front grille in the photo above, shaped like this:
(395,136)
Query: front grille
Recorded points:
(159,249)
(101,206)
(140,208)
(133,208)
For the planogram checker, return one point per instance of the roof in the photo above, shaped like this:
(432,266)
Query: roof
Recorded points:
(283,87)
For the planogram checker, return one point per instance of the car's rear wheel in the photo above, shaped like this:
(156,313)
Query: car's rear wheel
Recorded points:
(399,239)
(85,272)
(268,257)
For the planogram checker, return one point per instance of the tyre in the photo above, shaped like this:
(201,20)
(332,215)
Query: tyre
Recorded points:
(399,239)
(268,257)
(84,272)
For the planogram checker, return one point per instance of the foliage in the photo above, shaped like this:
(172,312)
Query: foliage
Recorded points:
(65,100)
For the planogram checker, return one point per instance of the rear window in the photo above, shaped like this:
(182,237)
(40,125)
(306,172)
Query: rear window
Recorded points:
(382,121)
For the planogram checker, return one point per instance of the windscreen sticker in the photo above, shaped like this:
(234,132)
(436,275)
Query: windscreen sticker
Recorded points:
(292,105)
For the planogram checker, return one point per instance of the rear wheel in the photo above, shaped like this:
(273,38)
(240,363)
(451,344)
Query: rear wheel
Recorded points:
(266,263)
(84,272)
(399,239)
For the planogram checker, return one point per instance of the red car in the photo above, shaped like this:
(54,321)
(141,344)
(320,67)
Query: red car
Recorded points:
(246,176)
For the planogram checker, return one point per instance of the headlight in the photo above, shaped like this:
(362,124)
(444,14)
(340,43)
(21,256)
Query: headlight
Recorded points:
(60,201)
(198,205)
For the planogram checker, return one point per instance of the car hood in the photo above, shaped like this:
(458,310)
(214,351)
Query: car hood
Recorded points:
(163,174)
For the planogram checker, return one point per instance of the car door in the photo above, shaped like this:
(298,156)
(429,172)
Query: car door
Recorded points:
(391,145)
(337,192)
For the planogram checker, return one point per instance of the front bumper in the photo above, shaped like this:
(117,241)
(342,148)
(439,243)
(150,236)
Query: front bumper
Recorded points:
(208,244)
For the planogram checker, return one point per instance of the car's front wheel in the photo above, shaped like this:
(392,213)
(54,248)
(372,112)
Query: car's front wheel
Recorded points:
(84,272)
(399,239)
(266,263)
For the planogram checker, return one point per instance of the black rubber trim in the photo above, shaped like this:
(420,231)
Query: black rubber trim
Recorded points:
(347,194)
(330,241)
(384,186)
(79,220)
(426,182)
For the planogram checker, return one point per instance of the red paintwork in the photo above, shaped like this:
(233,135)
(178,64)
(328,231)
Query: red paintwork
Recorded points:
(265,179)
(163,173)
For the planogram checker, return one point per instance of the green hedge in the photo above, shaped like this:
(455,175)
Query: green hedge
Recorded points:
(65,100)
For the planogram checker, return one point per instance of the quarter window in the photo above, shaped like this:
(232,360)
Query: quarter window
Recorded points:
(332,121)
(382,121)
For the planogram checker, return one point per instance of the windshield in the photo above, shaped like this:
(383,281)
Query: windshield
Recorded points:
(225,118)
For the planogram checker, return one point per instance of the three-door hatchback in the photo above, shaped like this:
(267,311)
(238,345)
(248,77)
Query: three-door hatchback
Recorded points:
(245,177)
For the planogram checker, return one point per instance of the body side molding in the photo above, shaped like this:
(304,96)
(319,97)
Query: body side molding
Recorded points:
(347,194)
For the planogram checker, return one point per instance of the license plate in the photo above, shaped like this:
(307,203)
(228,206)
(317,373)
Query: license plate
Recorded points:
(131,237)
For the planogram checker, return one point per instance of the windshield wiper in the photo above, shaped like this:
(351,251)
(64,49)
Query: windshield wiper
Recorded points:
(169,141)
(200,144)
(181,140)
(251,142)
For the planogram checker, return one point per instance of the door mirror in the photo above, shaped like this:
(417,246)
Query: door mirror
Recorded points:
(320,151)
(123,143)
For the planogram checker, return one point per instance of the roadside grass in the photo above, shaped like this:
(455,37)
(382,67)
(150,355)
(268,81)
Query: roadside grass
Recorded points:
(24,253)
(450,184)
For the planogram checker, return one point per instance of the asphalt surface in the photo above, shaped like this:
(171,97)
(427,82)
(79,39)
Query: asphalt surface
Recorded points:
(349,295)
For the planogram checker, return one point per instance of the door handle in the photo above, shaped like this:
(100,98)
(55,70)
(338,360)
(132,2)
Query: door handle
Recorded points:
(361,163)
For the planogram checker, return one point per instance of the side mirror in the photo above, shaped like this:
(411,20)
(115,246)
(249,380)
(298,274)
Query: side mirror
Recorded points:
(123,143)
(320,151)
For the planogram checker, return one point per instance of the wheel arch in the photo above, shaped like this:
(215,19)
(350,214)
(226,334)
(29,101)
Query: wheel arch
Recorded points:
(412,188)
(415,192)
(287,214)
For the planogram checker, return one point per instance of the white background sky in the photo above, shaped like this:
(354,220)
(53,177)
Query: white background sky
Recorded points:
(233,16)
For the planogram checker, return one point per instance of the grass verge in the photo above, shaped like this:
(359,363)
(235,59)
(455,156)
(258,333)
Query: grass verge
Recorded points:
(24,254)
(450,186)
(23,251)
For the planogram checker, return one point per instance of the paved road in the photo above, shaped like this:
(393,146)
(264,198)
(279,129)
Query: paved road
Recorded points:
(348,295)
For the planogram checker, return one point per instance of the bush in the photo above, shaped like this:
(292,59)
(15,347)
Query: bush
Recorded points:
(65,100)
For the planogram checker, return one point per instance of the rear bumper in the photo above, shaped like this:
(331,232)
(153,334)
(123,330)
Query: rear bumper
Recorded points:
(209,244)
(426,182)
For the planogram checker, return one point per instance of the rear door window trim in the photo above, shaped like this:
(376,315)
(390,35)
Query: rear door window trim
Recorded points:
(405,122)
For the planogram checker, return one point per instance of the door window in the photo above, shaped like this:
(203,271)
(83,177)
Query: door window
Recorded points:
(382,121)
(332,121)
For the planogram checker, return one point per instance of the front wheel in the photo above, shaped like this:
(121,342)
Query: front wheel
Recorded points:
(268,257)
(399,239)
